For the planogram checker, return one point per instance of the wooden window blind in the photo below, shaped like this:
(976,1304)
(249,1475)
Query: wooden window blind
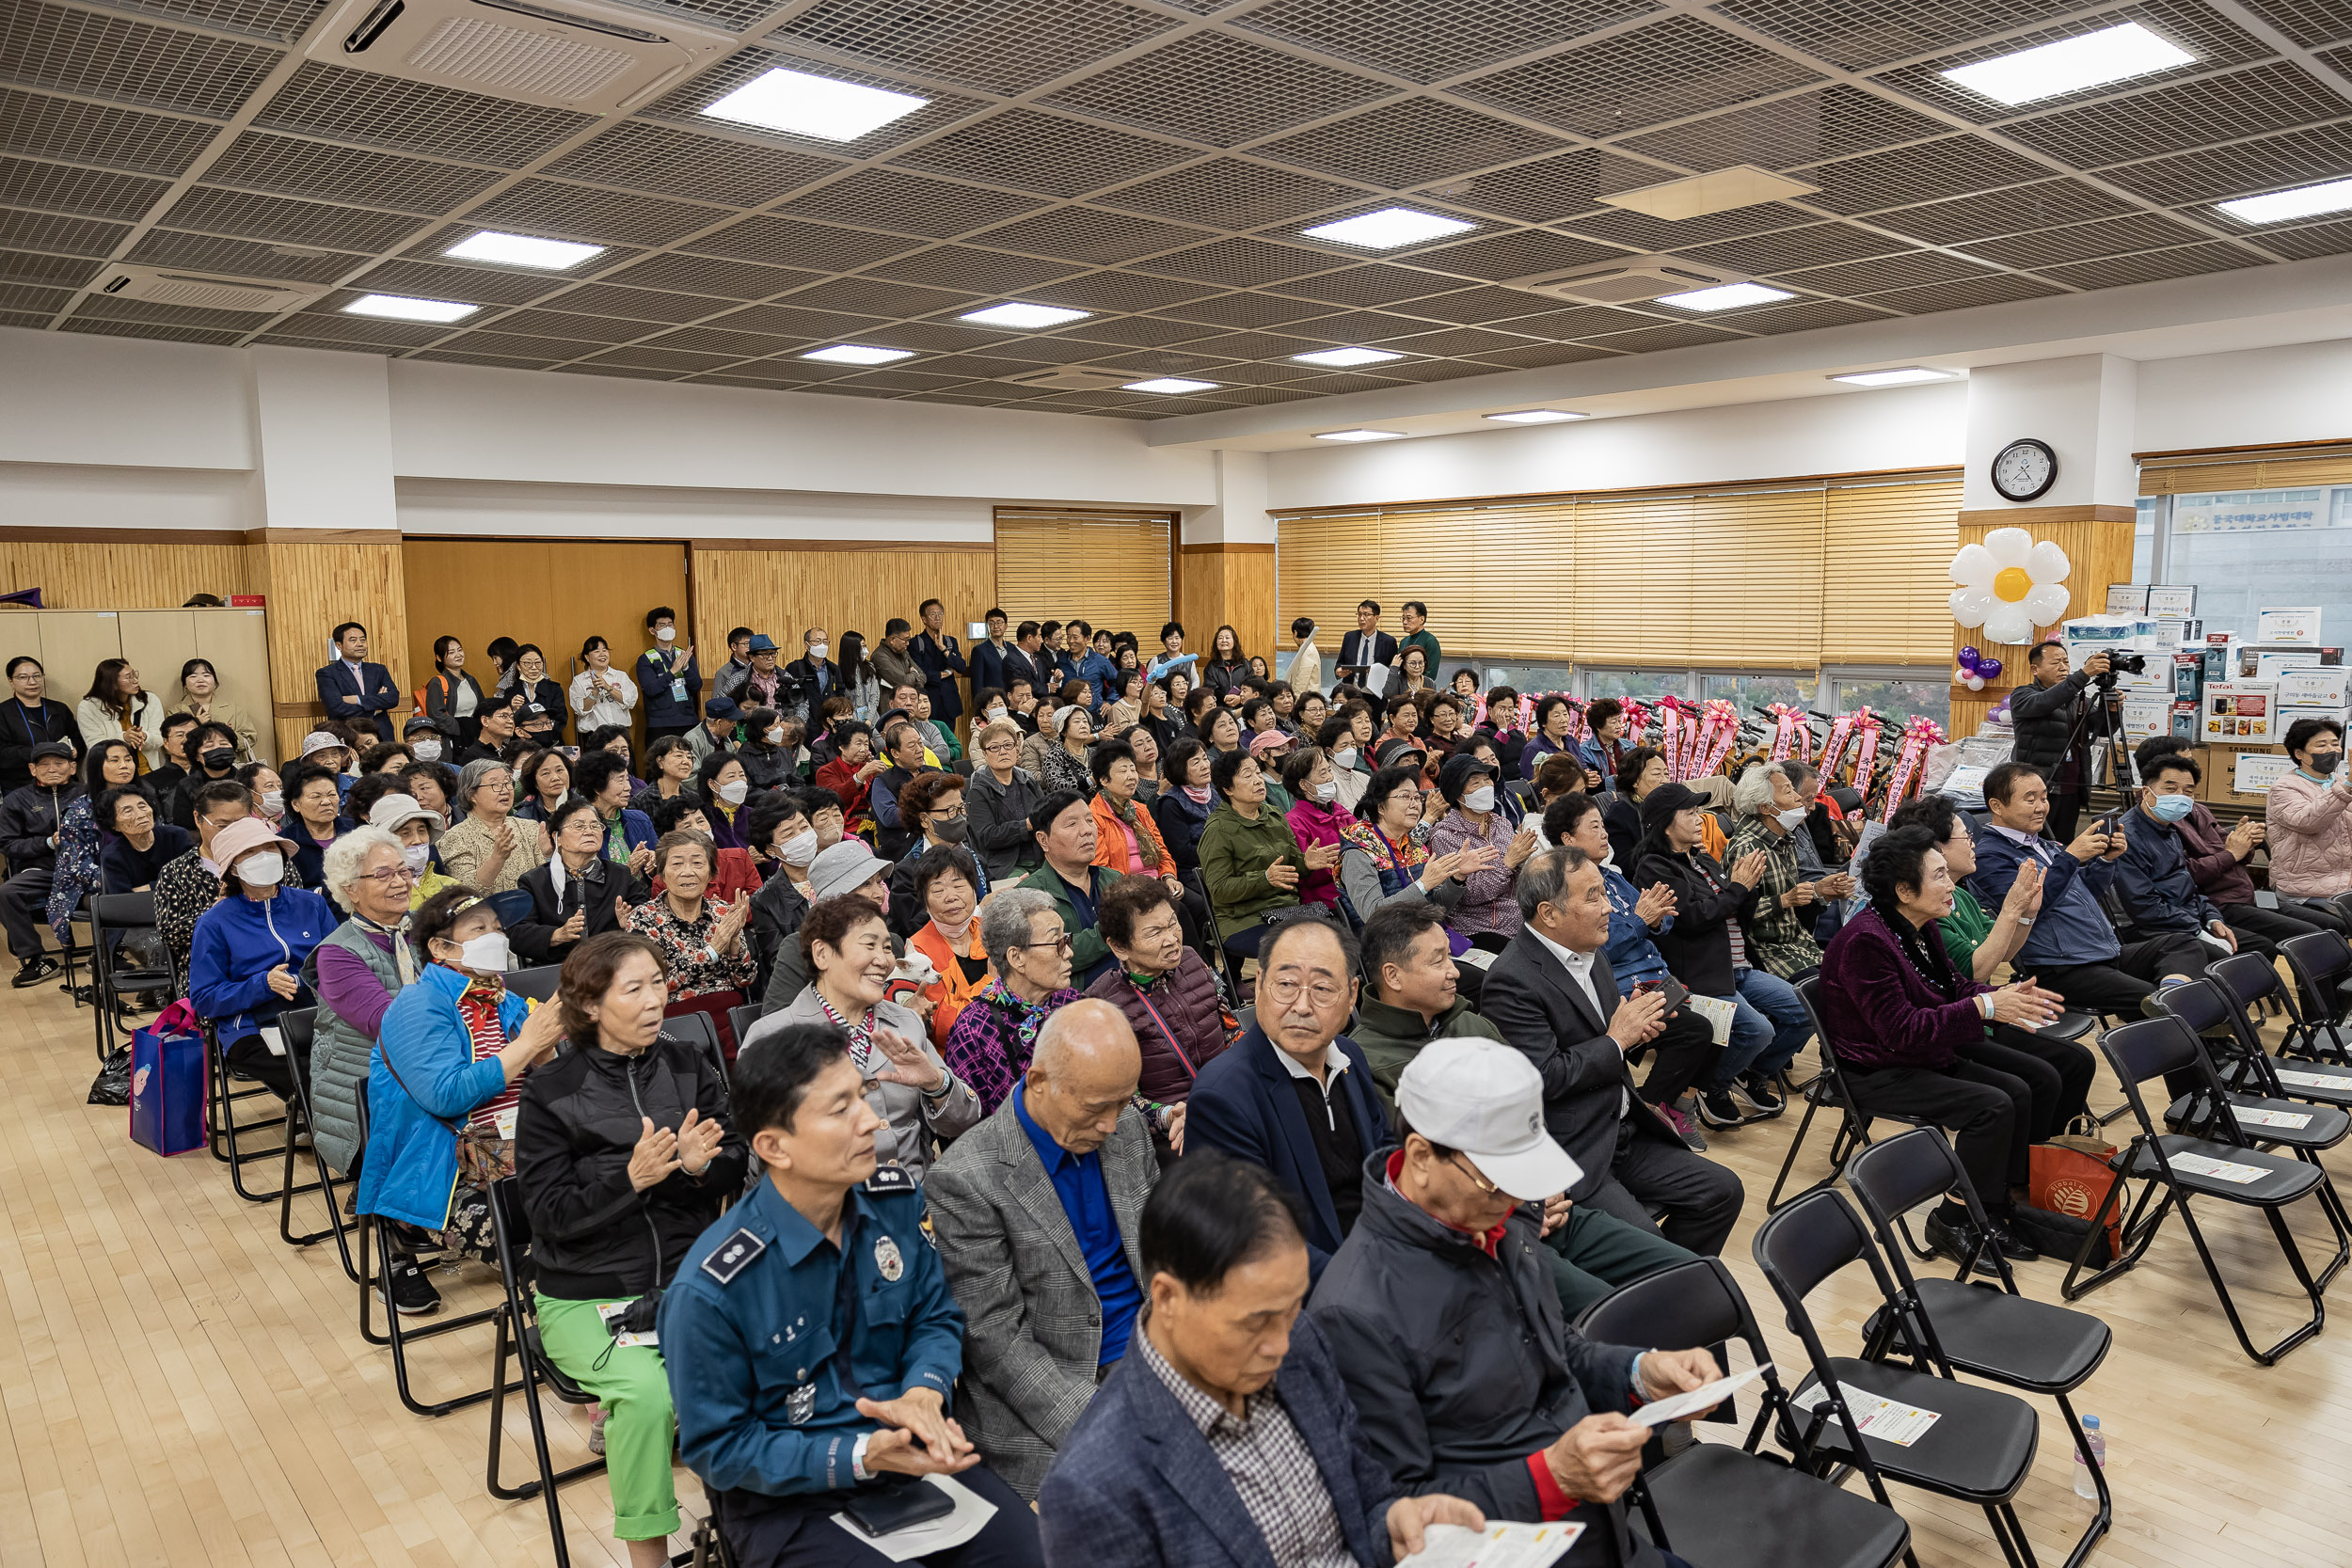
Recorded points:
(1780,578)
(2218,472)
(1886,587)
(1110,567)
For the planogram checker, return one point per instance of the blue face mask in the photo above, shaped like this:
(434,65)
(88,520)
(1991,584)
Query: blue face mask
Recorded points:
(2172,808)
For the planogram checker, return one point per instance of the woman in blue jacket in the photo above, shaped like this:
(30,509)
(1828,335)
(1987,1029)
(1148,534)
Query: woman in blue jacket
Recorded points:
(442,1085)
(244,961)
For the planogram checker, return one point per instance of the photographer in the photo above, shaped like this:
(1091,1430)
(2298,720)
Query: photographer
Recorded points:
(2056,720)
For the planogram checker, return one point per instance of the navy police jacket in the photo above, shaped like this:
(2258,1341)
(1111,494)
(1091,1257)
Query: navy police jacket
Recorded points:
(772,1335)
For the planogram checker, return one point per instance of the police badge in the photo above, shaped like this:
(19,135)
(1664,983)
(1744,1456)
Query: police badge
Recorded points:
(886,1259)
(801,1404)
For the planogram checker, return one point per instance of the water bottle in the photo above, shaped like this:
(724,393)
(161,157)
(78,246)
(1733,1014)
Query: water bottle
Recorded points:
(2096,1440)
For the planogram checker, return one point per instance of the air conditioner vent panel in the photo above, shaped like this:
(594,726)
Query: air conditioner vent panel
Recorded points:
(1070,379)
(1626,280)
(588,55)
(204,291)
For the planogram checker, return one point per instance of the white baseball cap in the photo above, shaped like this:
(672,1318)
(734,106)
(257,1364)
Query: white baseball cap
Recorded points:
(1487,1099)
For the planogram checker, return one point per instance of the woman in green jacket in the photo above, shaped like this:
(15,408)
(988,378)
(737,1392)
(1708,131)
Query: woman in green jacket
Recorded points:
(1250,857)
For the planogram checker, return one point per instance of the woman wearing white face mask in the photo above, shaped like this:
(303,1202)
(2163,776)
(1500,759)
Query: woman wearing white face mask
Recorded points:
(1780,933)
(267,789)
(425,741)
(724,785)
(441,1086)
(408,821)
(244,963)
(1316,819)
(1488,907)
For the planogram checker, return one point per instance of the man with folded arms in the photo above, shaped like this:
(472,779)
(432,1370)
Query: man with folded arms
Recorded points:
(1442,1321)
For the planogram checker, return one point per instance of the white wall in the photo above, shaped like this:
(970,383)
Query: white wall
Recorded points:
(70,397)
(73,495)
(2082,406)
(2297,392)
(1912,427)
(489,507)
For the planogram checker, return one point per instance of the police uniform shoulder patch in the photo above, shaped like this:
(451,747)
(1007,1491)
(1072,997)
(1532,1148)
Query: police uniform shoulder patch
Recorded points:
(733,1256)
(890,1178)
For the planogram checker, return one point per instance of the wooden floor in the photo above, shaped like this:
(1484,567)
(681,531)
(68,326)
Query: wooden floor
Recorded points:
(179,1388)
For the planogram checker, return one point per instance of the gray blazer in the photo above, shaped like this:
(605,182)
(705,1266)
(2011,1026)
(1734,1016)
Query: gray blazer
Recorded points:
(1033,1329)
(909,1111)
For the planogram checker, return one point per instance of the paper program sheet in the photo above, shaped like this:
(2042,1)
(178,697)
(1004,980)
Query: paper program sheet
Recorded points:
(1505,1543)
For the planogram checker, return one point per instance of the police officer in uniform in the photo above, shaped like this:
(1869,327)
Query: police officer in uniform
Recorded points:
(811,1339)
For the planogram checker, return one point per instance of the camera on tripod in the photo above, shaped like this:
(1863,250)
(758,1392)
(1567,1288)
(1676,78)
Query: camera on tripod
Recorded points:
(2122,663)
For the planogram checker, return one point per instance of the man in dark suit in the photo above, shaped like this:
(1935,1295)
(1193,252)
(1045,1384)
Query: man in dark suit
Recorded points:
(1037,1212)
(1028,660)
(1225,1436)
(988,659)
(938,656)
(354,691)
(1552,996)
(1294,1094)
(1366,646)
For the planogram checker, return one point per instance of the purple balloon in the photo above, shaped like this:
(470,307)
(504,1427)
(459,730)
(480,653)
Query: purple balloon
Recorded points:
(1990,669)
(1968,657)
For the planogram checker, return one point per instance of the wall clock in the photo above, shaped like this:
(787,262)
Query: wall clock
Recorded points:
(2024,469)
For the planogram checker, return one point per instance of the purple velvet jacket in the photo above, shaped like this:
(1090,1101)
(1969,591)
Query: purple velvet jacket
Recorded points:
(1878,1011)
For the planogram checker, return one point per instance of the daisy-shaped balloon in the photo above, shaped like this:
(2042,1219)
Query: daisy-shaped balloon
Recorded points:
(2008,585)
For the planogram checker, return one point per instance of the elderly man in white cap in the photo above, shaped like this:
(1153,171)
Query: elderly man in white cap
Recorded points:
(849,866)
(1443,1321)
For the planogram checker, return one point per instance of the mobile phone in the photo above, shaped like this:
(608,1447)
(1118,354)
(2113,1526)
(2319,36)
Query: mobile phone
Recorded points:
(1675,992)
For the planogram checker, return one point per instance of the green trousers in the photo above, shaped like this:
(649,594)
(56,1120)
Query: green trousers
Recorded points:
(638,1423)
(1596,1252)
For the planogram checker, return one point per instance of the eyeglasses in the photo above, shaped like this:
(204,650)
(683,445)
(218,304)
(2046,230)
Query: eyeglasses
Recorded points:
(1059,944)
(390,876)
(955,816)
(1484,1187)
(1285,991)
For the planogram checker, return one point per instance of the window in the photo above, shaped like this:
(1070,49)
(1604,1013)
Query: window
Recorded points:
(1645,684)
(2245,549)
(1900,694)
(1049,566)
(1522,677)
(1747,692)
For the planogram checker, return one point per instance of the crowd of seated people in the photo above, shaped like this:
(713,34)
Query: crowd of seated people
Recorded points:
(1129,1065)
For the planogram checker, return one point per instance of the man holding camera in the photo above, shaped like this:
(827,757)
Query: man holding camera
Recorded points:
(2056,719)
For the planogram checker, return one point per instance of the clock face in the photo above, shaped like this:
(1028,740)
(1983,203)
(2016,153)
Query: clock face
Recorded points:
(2024,469)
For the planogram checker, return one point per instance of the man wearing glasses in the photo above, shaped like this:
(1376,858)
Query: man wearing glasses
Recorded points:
(1294,1094)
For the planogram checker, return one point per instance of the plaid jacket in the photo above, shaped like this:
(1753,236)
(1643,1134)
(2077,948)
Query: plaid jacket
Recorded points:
(1779,940)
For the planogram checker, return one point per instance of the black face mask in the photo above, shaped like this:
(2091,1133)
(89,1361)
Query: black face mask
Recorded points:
(950,829)
(2324,763)
(219,759)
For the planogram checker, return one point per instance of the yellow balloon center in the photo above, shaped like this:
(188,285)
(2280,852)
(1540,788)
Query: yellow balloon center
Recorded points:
(2012,584)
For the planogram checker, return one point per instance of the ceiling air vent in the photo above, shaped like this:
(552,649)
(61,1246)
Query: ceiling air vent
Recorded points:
(159,286)
(1625,280)
(583,55)
(1071,379)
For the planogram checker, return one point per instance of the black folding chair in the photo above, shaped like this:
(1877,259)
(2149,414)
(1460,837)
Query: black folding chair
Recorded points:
(1726,1506)
(2240,982)
(1994,1334)
(537,984)
(2322,964)
(741,1018)
(297,1025)
(2138,1052)
(1981,1447)
(398,1335)
(223,1131)
(2261,1103)
(114,916)
(698,1030)
(519,1336)
(1829,1087)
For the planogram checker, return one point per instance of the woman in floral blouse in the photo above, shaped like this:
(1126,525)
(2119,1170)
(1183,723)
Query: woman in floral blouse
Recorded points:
(702,940)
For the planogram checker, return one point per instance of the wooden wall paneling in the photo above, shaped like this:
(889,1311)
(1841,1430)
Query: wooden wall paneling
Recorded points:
(237,644)
(157,642)
(315,582)
(136,574)
(20,633)
(2098,551)
(784,587)
(476,591)
(603,588)
(1227,585)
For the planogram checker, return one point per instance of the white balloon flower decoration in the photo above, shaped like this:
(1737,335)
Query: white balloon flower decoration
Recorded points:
(2008,585)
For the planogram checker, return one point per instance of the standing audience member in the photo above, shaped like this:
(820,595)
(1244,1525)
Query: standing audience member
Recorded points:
(621,1158)
(669,675)
(894,665)
(1306,671)
(352,690)
(1294,1094)
(823,1239)
(452,701)
(2056,718)
(116,708)
(728,682)
(29,719)
(601,696)
(1066,1155)
(198,696)
(940,658)
(1227,1435)
(846,947)
(1366,648)
(1028,952)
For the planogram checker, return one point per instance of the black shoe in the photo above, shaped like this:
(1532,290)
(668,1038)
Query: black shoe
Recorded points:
(35,970)
(409,1291)
(1956,1241)
(2013,1246)
(1718,1109)
(1762,1093)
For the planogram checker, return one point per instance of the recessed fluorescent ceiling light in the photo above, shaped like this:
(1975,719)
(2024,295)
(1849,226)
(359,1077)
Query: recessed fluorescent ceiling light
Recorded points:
(2109,54)
(1538,416)
(1902,377)
(804,105)
(1346,356)
(401,308)
(522,250)
(1014,313)
(1724,296)
(1362,435)
(1388,228)
(1723,190)
(858,353)
(1167,384)
(2333,197)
